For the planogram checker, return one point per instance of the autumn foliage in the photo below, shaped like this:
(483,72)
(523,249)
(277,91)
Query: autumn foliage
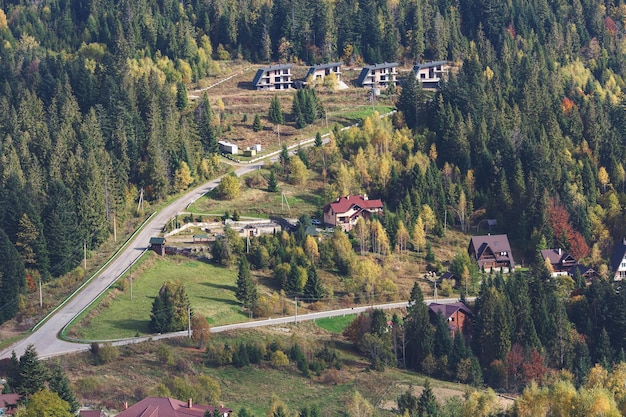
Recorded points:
(565,235)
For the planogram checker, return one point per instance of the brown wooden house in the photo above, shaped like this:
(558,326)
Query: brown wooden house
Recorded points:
(458,316)
(491,252)
(560,260)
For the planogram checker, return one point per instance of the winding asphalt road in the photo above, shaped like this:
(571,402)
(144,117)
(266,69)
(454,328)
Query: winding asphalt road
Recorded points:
(45,337)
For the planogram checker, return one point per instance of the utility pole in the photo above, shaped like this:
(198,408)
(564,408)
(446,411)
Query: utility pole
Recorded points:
(40,295)
(85,254)
(114,229)
(130,276)
(296,309)
(188,320)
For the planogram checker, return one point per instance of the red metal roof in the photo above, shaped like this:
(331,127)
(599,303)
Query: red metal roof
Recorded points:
(168,407)
(343,204)
(8,402)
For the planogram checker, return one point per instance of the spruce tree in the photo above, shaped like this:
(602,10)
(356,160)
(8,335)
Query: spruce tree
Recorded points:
(313,289)
(318,140)
(427,403)
(276,113)
(12,278)
(418,329)
(246,288)
(59,383)
(256,125)
(207,131)
(272,182)
(32,373)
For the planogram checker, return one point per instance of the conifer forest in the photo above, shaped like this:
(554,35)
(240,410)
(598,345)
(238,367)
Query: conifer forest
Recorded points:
(530,130)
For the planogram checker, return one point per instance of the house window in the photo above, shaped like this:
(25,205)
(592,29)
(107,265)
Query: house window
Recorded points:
(623,265)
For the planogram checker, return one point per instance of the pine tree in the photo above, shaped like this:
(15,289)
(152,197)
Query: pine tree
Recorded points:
(59,383)
(410,100)
(162,312)
(246,288)
(32,373)
(313,290)
(207,131)
(182,100)
(418,330)
(276,113)
(318,140)
(272,182)
(427,403)
(256,125)
(12,278)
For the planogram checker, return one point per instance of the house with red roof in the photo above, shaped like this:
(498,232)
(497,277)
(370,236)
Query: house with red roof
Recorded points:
(169,407)
(345,211)
(8,404)
(458,316)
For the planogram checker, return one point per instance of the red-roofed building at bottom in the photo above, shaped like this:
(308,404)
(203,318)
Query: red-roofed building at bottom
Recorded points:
(169,407)
(8,404)
(458,316)
(345,211)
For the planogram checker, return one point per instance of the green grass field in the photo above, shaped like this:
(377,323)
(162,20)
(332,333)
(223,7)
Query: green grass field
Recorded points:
(261,203)
(336,324)
(211,291)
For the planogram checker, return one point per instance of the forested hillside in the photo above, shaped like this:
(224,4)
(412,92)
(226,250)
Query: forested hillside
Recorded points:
(94,108)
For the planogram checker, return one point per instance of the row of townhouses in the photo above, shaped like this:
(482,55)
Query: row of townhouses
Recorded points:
(279,77)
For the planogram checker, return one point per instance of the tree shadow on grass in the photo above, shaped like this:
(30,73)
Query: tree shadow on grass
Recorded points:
(222,300)
(136,325)
(311,199)
(220,286)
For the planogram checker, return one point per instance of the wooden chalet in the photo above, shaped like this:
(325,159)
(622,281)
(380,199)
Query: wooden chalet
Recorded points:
(491,252)
(458,316)
(560,260)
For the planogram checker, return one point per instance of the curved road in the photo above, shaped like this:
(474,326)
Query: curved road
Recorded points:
(45,337)
(66,347)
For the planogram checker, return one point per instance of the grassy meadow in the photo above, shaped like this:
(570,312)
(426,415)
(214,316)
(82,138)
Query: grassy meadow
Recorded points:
(211,291)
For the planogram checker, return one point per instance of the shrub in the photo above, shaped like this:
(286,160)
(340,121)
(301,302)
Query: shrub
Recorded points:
(164,354)
(279,359)
(107,353)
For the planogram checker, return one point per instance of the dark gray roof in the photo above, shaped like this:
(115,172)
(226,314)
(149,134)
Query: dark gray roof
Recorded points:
(368,68)
(497,244)
(448,310)
(261,71)
(430,64)
(323,66)
(584,270)
(618,254)
(157,240)
(555,256)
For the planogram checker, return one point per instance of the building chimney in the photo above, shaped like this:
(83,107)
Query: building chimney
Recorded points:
(624,241)
(189,403)
(559,251)
(125,405)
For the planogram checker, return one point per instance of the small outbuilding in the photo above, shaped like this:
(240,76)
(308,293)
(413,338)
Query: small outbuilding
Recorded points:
(157,244)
